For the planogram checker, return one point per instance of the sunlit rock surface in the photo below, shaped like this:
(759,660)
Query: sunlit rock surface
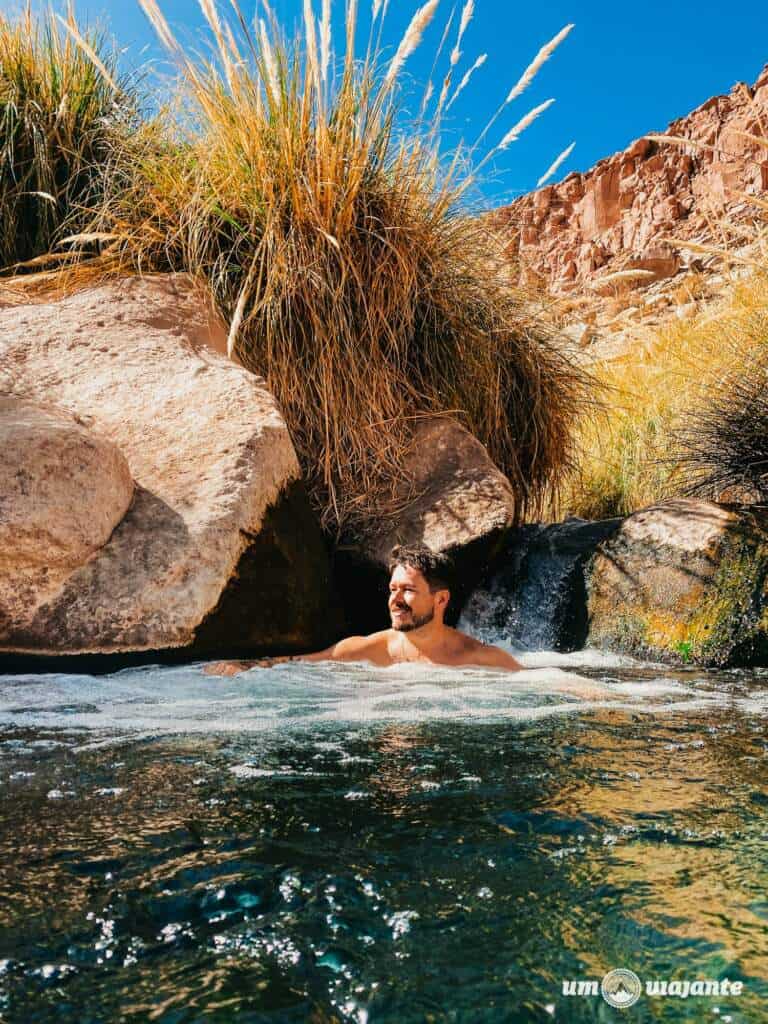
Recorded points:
(218,549)
(684,582)
(456,501)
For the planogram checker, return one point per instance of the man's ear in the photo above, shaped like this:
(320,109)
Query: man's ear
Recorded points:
(443,598)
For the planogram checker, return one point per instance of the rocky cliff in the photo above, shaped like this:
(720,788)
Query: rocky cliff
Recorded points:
(623,214)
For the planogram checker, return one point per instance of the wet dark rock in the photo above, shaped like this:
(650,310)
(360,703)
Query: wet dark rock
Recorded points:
(535,593)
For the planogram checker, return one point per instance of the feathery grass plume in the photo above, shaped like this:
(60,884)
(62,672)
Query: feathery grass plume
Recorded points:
(351,30)
(541,58)
(465,80)
(353,276)
(466,16)
(325,40)
(556,165)
(160,25)
(272,81)
(525,122)
(311,36)
(63,116)
(430,88)
(523,82)
(410,40)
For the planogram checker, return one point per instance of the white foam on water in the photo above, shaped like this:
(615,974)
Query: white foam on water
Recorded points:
(157,700)
(588,657)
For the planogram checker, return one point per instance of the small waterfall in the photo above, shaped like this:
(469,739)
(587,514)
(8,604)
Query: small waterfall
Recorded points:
(534,596)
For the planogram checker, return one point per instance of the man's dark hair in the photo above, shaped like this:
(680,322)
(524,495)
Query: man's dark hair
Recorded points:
(436,569)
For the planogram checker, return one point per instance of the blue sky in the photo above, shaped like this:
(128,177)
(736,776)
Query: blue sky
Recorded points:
(625,69)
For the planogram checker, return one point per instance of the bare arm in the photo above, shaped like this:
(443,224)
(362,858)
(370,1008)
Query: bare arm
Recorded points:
(352,648)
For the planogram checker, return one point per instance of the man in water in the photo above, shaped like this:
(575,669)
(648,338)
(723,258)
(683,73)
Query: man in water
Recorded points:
(419,594)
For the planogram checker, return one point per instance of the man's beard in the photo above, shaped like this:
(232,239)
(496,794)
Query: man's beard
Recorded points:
(415,622)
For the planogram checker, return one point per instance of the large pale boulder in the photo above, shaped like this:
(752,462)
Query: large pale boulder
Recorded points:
(455,501)
(218,550)
(685,582)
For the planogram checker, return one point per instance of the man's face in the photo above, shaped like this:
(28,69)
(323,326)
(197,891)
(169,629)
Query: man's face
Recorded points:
(411,602)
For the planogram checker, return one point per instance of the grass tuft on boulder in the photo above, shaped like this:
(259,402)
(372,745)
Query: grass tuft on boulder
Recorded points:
(344,254)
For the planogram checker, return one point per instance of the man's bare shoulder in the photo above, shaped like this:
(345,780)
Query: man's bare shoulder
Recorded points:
(475,652)
(372,647)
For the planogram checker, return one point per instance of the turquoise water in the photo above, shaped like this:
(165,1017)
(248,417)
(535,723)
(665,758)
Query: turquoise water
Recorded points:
(324,843)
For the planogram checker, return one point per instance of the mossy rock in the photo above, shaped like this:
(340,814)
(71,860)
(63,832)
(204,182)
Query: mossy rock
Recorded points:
(685,582)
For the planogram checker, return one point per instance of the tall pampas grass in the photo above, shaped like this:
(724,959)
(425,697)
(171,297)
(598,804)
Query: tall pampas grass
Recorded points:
(465,80)
(526,121)
(410,40)
(466,16)
(537,63)
(344,256)
(64,116)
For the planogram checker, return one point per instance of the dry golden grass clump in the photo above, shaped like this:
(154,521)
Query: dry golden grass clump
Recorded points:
(687,415)
(344,256)
(721,449)
(62,118)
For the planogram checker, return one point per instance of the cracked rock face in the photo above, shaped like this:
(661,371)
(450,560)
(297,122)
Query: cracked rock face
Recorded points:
(146,477)
(620,215)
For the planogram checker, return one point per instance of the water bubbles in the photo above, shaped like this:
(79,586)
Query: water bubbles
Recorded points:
(54,972)
(290,886)
(175,930)
(400,922)
(369,890)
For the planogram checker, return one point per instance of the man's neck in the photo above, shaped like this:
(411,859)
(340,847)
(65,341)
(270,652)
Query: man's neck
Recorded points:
(424,639)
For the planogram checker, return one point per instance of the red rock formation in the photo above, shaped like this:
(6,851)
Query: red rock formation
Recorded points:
(618,215)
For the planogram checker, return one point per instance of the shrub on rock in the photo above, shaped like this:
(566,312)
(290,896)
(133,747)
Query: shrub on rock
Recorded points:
(344,255)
